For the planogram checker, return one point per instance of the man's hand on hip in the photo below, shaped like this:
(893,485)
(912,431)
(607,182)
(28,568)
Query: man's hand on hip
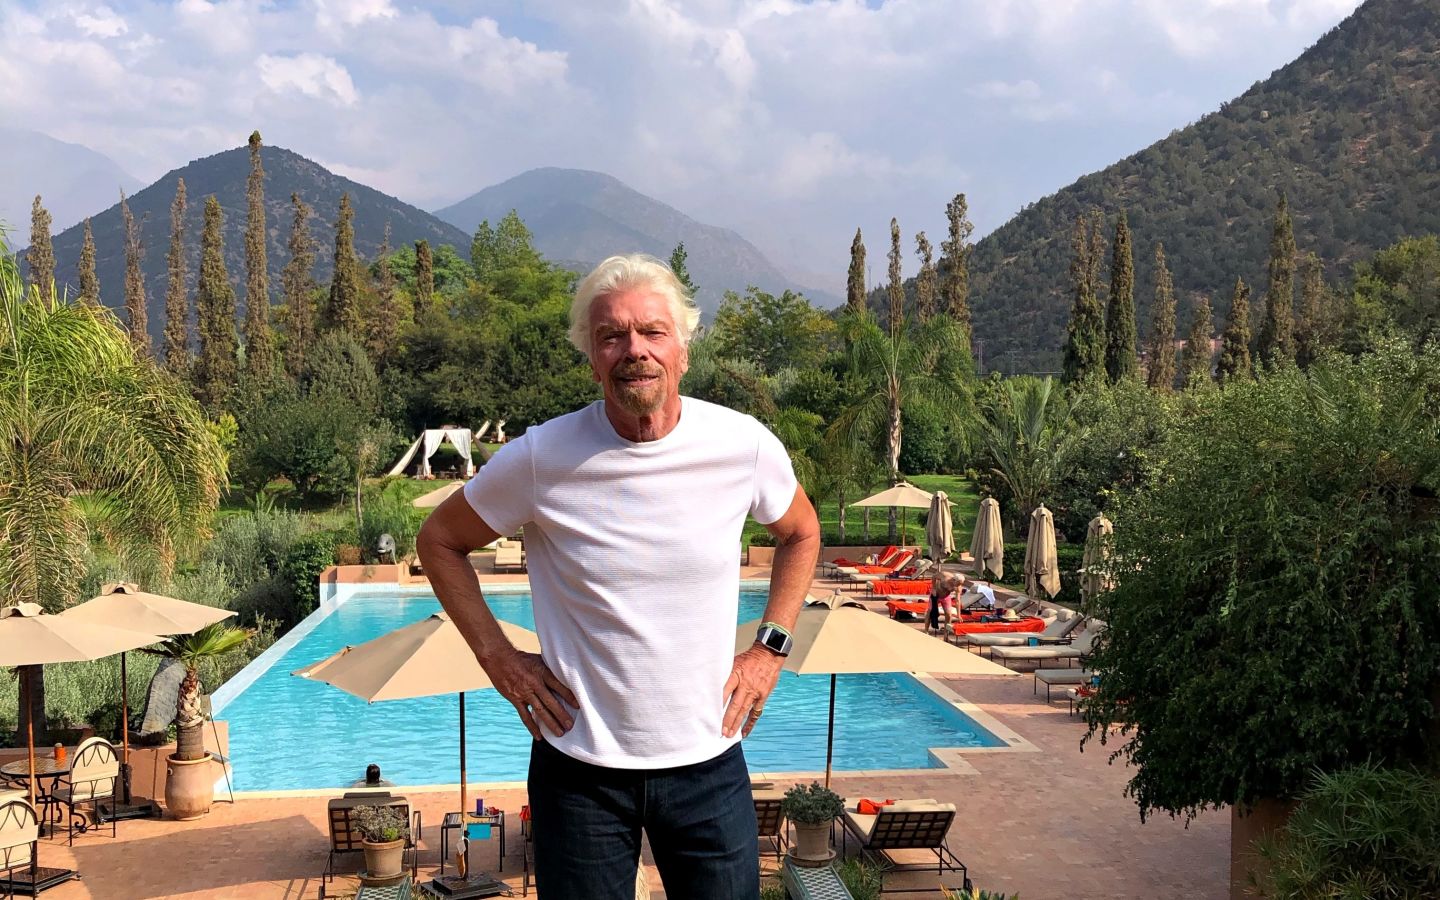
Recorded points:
(752,678)
(525,680)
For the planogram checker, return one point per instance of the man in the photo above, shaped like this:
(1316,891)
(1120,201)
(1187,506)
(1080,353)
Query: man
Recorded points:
(372,779)
(633,509)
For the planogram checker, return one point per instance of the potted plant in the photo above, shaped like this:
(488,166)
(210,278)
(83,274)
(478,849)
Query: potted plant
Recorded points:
(189,781)
(812,809)
(384,832)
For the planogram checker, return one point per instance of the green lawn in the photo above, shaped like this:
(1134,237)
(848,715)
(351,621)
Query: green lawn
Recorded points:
(959,489)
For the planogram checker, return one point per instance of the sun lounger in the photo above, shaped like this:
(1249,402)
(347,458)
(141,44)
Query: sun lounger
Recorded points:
(769,819)
(510,557)
(921,570)
(884,557)
(1061,626)
(904,825)
(899,562)
(1078,649)
(345,837)
(1053,678)
(1025,625)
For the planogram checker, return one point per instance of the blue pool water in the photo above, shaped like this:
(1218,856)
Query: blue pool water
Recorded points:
(292,733)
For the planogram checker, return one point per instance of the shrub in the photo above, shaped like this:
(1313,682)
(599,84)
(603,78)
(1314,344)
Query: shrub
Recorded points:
(929,445)
(862,880)
(1068,556)
(347,555)
(814,804)
(1294,536)
(773,890)
(308,557)
(389,514)
(253,544)
(380,824)
(1365,831)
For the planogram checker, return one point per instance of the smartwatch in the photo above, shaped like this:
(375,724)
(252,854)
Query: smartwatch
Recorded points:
(774,638)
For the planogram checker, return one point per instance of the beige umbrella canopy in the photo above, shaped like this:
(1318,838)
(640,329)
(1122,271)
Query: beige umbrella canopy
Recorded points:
(939,529)
(31,637)
(987,544)
(1094,579)
(904,495)
(123,605)
(832,637)
(1042,569)
(422,659)
(437,496)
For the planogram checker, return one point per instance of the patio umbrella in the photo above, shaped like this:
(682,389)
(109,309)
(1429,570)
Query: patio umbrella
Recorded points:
(987,544)
(1042,569)
(123,605)
(838,637)
(1094,579)
(422,659)
(31,637)
(939,530)
(904,495)
(437,496)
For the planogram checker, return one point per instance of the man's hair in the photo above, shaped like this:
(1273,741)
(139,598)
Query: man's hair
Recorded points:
(372,773)
(633,271)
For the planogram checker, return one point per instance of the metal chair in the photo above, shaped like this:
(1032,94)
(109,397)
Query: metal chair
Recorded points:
(92,777)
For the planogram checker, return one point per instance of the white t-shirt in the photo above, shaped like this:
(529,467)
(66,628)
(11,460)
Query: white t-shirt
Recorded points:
(633,555)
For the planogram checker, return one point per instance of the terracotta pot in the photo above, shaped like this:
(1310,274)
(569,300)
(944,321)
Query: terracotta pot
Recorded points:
(384,860)
(189,787)
(812,841)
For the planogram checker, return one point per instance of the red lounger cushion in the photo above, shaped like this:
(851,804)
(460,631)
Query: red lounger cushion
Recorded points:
(1029,623)
(914,607)
(921,587)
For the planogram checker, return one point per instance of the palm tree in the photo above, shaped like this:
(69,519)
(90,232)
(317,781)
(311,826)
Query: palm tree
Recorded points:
(1025,432)
(81,417)
(190,651)
(899,367)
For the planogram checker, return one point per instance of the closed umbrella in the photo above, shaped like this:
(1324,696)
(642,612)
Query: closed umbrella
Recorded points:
(1042,569)
(987,544)
(31,637)
(437,496)
(835,637)
(1094,578)
(904,495)
(124,605)
(939,530)
(422,659)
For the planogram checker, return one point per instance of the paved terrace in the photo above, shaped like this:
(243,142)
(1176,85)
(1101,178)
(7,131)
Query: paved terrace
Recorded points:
(1049,823)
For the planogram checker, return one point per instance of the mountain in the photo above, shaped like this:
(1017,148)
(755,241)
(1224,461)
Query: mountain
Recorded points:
(1348,131)
(224,175)
(580,217)
(72,180)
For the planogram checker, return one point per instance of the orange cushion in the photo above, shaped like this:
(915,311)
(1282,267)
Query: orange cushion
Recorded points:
(871,807)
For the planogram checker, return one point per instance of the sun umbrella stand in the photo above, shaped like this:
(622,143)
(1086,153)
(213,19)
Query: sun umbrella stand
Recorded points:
(126,806)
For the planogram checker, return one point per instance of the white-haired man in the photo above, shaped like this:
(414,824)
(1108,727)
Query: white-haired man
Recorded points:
(632,509)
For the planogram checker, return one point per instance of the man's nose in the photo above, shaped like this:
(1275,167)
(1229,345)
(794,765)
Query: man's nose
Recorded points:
(635,346)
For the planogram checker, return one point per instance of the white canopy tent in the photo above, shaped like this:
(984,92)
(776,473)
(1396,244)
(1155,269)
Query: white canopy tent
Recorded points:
(430,441)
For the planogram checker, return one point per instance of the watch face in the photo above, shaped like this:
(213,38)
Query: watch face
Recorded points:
(774,639)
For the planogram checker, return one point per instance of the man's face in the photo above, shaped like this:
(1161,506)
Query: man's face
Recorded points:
(635,350)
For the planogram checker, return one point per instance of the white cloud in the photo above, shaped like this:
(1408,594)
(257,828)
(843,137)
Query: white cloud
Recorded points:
(1004,90)
(310,74)
(101,22)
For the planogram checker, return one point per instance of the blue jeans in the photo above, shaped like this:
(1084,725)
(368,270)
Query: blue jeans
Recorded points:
(586,822)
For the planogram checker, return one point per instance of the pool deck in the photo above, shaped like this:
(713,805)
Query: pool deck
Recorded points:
(1049,823)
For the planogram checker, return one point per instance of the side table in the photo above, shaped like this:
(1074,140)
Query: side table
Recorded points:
(455,821)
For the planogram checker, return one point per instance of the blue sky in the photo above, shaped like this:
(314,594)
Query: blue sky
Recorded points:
(792,122)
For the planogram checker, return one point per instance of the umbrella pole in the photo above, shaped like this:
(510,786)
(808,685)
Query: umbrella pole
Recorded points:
(463,799)
(124,732)
(30,734)
(830,738)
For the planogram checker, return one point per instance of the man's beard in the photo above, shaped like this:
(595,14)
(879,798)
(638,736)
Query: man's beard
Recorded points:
(642,399)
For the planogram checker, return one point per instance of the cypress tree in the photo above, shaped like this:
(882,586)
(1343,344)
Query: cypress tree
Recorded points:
(484,252)
(1120,361)
(955,266)
(678,259)
(895,288)
(925,282)
(424,274)
(138,320)
(298,288)
(391,311)
(41,255)
(89,284)
(1235,343)
(1277,328)
(1312,327)
(1085,339)
(216,367)
(1161,376)
(1195,364)
(342,313)
(177,300)
(855,280)
(259,344)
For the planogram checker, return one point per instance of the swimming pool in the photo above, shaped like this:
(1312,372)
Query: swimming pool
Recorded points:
(290,733)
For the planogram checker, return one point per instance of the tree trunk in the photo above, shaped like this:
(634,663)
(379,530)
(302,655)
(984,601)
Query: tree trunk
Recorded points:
(840,499)
(190,741)
(867,524)
(894,448)
(36,676)
(359,528)
(1267,817)
(893,523)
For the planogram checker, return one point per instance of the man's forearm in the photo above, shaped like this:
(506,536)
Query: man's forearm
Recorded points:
(790,578)
(455,584)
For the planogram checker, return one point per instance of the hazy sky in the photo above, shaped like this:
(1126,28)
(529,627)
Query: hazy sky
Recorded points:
(791,122)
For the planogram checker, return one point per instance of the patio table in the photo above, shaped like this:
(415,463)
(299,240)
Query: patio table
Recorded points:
(453,822)
(46,767)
